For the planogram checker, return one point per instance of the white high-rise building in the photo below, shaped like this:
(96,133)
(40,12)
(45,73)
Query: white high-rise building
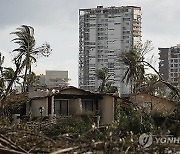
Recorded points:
(104,33)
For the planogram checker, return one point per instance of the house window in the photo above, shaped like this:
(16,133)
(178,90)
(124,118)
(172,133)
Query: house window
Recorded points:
(61,107)
(87,105)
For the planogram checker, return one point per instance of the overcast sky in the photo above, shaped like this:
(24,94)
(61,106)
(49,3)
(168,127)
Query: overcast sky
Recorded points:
(56,22)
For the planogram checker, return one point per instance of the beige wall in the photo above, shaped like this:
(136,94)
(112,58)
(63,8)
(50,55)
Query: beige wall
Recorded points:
(106,107)
(75,106)
(35,104)
(159,105)
(52,103)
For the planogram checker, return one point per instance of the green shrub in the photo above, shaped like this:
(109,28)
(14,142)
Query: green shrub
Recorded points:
(135,120)
(72,124)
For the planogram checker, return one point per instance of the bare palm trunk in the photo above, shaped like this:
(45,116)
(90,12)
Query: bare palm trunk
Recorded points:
(25,79)
(28,67)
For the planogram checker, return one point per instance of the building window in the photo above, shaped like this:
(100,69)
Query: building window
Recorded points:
(61,107)
(126,10)
(126,19)
(125,37)
(118,23)
(87,105)
(173,56)
(175,60)
(175,65)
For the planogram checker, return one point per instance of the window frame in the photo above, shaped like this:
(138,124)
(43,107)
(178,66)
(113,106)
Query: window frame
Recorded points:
(60,101)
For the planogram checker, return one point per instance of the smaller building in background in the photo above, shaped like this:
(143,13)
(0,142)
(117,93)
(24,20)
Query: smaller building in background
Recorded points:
(163,63)
(53,78)
(169,65)
(153,105)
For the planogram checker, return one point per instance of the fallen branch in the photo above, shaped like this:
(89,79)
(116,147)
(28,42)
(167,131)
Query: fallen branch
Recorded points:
(74,148)
(9,151)
(30,133)
(8,143)
(127,150)
(92,129)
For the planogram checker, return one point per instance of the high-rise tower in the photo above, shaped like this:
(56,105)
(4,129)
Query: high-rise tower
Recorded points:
(104,33)
(169,65)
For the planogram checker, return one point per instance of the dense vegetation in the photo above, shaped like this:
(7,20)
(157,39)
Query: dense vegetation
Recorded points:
(80,134)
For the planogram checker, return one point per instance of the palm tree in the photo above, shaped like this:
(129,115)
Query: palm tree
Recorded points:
(27,52)
(31,79)
(8,74)
(102,74)
(136,63)
(106,86)
(2,86)
(152,85)
(2,82)
(1,62)
(135,71)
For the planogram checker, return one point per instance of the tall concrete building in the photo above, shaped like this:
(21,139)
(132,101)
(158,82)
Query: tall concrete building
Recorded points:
(169,65)
(104,33)
(163,63)
(53,78)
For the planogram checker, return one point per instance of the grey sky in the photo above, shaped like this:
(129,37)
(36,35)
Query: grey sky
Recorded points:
(56,21)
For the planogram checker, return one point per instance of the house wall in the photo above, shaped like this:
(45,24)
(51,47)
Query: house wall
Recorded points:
(52,103)
(28,108)
(75,106)
(35,104)
(159,105)
(106,107)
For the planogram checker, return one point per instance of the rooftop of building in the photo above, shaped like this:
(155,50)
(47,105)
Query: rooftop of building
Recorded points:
(111,7)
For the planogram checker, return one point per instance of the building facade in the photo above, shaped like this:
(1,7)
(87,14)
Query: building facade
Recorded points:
(163,63)
(53,78)
(153,104)
(72,101)
(104,33)
(169,65)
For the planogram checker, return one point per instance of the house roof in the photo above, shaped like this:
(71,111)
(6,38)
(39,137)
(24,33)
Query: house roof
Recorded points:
(170,101)
(58,91)
(84,94)
(75,88)
(16,99)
